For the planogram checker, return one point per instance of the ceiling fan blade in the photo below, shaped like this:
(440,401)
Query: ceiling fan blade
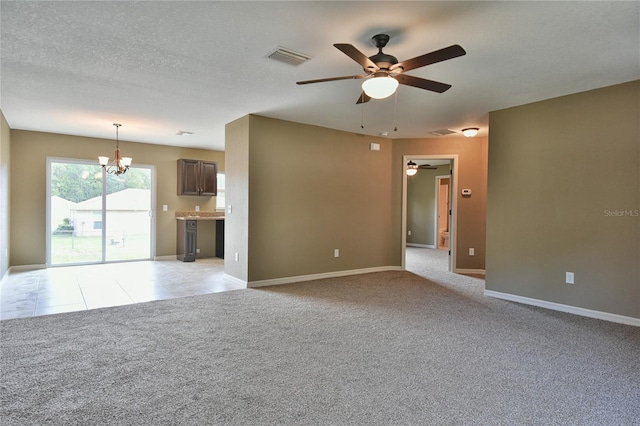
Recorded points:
(357,56)
(431,58)
(422,83)
(363,98)
(321,80)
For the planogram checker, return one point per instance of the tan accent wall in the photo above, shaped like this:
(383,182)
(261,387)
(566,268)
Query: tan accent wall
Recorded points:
(5,154)
(313,190)
(237,197)
(472,174)
(564,196)
(29,152)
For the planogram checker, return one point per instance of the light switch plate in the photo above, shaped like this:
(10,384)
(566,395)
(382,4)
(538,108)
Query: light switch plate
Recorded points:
(569,278)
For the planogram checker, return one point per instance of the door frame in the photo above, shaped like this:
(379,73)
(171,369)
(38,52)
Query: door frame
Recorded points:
(453,225)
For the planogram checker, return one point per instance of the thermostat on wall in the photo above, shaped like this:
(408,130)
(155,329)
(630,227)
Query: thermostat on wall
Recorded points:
(466,192)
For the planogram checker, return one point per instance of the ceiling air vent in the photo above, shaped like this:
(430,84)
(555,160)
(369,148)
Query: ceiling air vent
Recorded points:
(289,56)
(443,132)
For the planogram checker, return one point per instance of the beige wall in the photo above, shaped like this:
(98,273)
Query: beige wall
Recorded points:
(237,197)
(558,171)
(472,174)
(5,152)
(309,190)
(29,152)
(313,190)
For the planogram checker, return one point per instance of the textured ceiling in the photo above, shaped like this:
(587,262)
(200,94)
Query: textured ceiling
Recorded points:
(161,67)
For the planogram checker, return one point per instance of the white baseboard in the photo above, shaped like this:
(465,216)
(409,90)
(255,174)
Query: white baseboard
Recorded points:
(169,257)
(470,271)
(235,280)
(301,278)
(26,267)
(430,246)
(565,308)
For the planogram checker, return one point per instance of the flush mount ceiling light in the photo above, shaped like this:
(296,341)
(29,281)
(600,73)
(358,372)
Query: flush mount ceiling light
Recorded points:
(412,168)
(470,132)
(380,87)
(120,164)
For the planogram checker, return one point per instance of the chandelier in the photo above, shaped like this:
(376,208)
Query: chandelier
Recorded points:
(120,164)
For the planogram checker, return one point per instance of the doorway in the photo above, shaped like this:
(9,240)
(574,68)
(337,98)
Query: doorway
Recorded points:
(95,217)
(442,222)
(449,219)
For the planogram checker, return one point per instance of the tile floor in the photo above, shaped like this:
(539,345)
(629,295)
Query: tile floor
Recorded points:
(78,288)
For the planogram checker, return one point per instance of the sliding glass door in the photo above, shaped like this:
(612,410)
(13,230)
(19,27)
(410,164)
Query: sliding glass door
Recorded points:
(94,217)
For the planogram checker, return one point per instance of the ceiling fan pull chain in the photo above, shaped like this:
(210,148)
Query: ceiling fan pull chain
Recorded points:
(362,114)
(395,113)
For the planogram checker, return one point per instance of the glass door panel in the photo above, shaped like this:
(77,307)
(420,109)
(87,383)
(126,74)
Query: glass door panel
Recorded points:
(75,213)
(128,215)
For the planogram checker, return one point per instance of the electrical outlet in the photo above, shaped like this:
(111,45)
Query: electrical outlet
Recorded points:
(336,253)
(197,208)
(569,278)
(165,208)
(229,209)
(472,251)
(408,232)
(197,250)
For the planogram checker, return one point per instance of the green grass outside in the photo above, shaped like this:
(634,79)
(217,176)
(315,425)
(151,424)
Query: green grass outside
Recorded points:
(66,248)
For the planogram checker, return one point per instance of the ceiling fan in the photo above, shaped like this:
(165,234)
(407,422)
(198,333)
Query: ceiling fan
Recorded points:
(412,168)
(385,71)
(421,166)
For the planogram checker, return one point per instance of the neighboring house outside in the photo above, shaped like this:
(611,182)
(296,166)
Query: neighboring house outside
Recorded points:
(127,214)
(61,210)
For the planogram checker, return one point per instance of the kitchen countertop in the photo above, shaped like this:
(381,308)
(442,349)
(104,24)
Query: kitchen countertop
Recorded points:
(191,215)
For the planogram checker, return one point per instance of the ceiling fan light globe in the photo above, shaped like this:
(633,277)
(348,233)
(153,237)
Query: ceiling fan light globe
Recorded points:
(380,87)
(412,168)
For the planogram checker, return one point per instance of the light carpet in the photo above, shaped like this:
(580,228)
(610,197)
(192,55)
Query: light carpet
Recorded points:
(389,348)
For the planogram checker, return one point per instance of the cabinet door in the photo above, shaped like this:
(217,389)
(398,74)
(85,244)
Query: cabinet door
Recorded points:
(191,243)
(188,177)
(208,178)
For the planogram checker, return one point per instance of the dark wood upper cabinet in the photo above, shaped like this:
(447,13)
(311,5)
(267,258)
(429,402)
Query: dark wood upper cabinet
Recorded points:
(196,177)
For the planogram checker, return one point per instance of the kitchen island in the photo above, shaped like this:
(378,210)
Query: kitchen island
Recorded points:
(187,233)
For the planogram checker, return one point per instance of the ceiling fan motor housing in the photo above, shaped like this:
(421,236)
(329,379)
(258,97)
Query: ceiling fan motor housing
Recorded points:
(382,60)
